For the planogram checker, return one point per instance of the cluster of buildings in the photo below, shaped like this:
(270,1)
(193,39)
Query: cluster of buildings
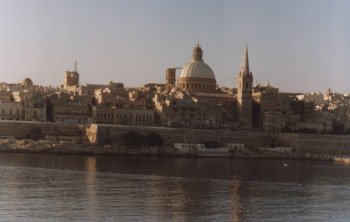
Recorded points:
(191,100)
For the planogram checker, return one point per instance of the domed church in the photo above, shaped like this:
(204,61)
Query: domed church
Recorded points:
(197,76)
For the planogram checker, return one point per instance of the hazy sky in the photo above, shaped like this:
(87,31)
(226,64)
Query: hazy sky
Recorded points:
(295,45)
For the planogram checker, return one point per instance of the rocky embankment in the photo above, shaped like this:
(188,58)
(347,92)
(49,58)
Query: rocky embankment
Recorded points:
(43,146)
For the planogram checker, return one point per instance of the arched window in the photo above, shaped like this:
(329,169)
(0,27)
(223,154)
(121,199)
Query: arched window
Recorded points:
(246,85)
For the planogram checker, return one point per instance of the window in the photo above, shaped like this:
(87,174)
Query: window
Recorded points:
(246,85)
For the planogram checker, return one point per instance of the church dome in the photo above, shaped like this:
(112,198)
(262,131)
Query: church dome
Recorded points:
(196,68)
(27,82)
(196,76)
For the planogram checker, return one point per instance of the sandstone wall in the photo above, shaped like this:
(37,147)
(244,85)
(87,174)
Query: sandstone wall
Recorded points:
(101,134)
(28,129)
(316,143)
(108,134)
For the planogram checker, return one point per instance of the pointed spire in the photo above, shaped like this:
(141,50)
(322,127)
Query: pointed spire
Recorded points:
(197,53)
(245,66)
(76,66)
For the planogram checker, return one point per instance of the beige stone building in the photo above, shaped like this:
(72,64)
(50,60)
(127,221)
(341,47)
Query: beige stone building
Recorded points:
(181,108)
(67,108)
(11,111)
(71,113)
(71,80)
(121,116)
(6,97)
(196,102)
(34,108)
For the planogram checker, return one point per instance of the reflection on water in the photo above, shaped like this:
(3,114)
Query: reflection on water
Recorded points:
(237,208)
(38,187)
(90,187)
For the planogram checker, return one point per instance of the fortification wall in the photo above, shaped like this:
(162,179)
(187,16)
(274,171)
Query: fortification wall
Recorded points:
(38,130)
(316,143)
(101,134)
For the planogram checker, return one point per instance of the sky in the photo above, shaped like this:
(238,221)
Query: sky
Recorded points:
(295,45)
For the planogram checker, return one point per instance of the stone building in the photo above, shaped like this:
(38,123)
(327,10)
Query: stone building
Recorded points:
(121,116)
(34,107)
(71,113)
(196,102)
(6,97)
(104,97)
(66,108)
(71,80)
(170,79)
(11,111)
(180,108)
(269,104)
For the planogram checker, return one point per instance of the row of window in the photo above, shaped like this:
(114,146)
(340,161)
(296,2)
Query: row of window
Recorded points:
(70,120)
(134,124)
(10,112)
(124,116)
(71,114)
(9,119)
(197,86)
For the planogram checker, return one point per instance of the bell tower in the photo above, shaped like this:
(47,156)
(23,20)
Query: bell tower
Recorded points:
(71,78)
(170,78)
(244,94)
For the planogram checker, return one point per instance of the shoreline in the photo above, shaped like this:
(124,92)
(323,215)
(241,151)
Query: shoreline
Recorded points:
(74,148)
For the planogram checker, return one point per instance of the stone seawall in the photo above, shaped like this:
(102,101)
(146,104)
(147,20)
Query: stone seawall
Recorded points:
(316,143)
(42,130)
(101,134)
(113,134)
